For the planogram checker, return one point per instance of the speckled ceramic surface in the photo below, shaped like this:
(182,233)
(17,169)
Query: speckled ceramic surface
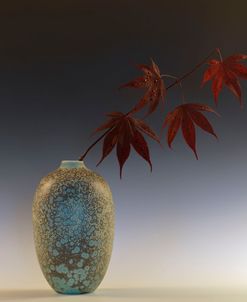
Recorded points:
(73,221)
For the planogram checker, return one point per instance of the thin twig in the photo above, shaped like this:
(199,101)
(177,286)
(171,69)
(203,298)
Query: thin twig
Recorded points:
(191,71)
(180,84)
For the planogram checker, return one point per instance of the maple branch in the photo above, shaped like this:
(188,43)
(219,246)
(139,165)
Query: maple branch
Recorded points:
(192,70)
(180,84)
(94,143)
(100,138)
(177,82)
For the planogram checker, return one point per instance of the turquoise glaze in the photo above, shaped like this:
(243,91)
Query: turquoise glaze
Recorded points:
(73,221)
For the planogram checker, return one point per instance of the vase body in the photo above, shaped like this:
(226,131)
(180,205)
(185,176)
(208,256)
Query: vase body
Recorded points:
(73,222)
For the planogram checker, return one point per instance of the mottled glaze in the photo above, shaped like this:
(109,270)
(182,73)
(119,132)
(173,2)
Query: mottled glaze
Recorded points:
(73,221)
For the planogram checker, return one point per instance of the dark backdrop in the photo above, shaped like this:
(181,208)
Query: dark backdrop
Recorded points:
(60,65)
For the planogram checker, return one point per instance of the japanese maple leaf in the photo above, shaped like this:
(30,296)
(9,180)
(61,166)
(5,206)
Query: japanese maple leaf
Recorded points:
(226,72)
(125,131)
(185,116)
(154,85)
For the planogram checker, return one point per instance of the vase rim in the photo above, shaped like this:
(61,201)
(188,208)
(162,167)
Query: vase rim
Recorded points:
(70,164)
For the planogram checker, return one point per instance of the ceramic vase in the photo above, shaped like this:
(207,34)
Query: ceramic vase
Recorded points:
(73,223)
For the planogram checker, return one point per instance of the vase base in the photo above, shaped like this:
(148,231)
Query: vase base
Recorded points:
(72,292)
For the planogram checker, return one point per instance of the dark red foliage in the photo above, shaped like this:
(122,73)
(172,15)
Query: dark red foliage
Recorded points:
(185,116)
(124,132)
(154,85)
(226,72)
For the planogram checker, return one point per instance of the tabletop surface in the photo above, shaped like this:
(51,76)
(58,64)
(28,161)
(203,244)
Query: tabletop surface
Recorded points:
(128,294)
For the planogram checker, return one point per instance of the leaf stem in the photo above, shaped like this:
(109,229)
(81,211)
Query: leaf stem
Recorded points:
(180,84)
(219,53)
(177,82)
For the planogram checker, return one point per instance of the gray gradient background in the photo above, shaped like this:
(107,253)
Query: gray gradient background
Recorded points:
(184,225)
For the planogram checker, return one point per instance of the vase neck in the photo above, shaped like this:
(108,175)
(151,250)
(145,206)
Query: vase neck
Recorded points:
(72,164)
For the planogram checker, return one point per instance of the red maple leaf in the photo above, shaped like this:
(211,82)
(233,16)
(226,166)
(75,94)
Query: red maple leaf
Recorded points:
(124,132)
(226,72)
(185,116)
(154,85)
